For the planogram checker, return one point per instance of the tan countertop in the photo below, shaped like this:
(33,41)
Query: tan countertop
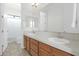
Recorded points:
(47,38)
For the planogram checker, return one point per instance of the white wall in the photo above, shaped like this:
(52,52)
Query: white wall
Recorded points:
(68,18)
(55,17)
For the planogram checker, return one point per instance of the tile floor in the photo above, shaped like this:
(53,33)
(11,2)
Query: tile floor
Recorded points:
(14,49)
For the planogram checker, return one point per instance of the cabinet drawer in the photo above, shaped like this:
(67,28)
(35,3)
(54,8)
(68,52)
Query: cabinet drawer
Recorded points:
(57,52)
(44,47)
(33,53)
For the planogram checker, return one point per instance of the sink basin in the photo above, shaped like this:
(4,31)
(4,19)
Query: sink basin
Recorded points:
(31,33)
(58,40)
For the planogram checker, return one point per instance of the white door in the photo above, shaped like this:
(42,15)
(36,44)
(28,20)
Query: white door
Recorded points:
(14,29)
(3,30)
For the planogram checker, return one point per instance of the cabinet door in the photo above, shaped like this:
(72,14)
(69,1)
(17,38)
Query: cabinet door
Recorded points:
(44,49)
(25,39)
(33,53)
(28,44)
(43,53)
(69,14)
(57,52)
(33,47)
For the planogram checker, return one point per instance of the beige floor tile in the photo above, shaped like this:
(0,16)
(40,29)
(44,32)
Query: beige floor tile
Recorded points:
(14,49)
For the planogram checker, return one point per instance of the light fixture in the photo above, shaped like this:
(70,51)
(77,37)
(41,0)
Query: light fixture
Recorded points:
(35,5)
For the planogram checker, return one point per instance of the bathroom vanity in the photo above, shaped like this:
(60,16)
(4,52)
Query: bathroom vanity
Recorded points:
(42,47)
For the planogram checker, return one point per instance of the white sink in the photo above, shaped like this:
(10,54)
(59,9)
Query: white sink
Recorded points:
(31,33)
(58,40)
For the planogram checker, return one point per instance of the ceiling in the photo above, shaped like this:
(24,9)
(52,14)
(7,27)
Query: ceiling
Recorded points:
(12,9)
(15,8)
(32,10)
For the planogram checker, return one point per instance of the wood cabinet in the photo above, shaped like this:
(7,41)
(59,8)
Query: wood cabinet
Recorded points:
(33,53)
(34,47)
(58,52)
(37,48)
(44,49)
(27,43)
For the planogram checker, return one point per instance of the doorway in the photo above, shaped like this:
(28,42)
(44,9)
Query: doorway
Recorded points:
(12,13)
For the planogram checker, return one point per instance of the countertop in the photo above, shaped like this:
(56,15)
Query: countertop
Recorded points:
(54,41)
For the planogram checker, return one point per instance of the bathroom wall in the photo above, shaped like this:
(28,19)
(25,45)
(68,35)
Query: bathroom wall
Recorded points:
(55,12)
